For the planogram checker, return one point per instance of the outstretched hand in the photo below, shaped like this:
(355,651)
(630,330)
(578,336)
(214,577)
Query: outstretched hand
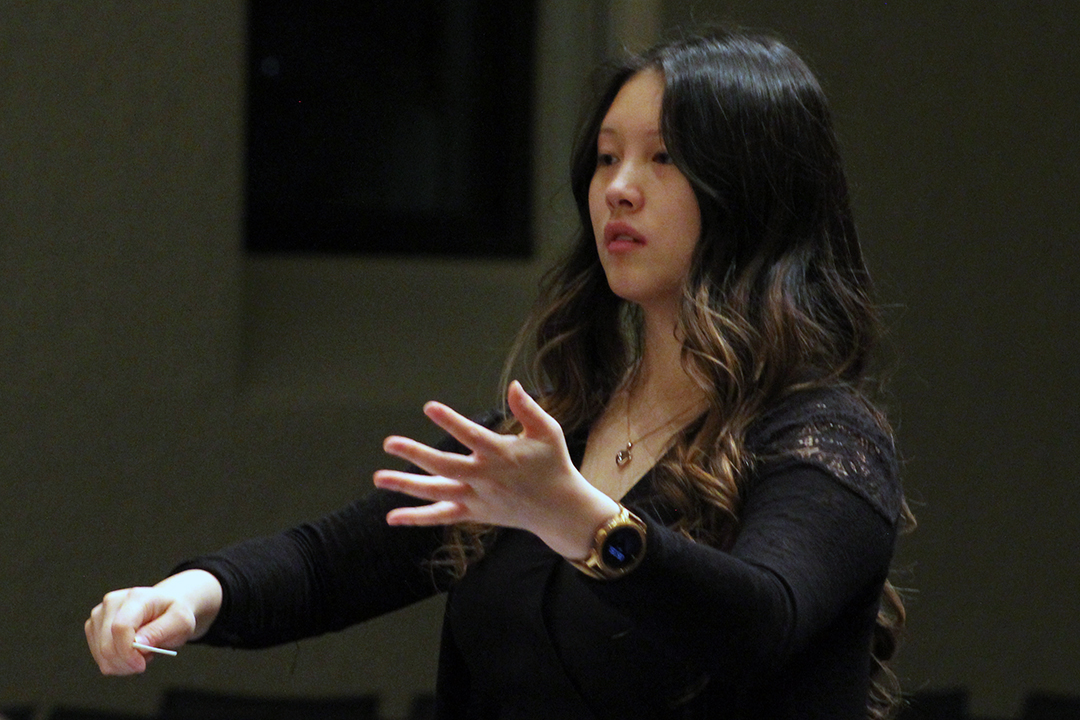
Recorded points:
(525,481)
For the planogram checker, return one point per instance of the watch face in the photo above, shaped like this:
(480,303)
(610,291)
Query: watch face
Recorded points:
(622,548)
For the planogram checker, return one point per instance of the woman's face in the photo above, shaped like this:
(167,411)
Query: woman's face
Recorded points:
(645,216)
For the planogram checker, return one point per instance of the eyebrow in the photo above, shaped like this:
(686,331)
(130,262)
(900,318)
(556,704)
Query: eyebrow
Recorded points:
(608,130)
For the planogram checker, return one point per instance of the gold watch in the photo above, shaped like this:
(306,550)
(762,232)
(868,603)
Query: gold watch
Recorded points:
(618,547)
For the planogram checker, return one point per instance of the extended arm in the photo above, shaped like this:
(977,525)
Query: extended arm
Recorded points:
(321,576)
(315,578)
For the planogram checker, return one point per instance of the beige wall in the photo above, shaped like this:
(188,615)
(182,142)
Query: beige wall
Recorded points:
(161,394)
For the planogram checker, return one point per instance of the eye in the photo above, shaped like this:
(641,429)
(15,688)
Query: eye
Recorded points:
(604,159)
(662,157)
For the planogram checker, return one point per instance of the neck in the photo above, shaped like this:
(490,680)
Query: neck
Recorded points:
(661,381)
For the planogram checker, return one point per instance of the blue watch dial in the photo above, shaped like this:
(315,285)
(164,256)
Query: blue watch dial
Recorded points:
(621,548)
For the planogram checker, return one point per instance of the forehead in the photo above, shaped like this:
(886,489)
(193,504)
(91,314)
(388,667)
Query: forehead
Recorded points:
(636,108)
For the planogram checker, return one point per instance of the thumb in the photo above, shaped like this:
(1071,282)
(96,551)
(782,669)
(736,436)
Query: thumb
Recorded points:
(170,625)
(535,422)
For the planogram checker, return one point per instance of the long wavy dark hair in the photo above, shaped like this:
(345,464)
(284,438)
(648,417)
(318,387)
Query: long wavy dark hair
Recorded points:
(778,298)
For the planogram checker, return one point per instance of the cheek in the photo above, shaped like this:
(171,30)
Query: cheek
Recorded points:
(597,208)
(596,200)
(691,214)
(691,227)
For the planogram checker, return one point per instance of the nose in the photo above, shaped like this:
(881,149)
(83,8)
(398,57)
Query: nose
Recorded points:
(624,190)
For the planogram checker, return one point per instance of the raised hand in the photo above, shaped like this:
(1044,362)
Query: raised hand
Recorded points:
(522,481)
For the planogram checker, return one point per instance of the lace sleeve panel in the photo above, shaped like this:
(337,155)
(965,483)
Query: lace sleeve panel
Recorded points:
(833,430)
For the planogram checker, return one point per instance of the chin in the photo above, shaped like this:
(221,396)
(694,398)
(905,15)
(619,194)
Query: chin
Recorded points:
(622,288)
(633,295)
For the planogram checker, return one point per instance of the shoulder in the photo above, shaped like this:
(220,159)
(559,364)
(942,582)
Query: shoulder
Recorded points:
(836,430)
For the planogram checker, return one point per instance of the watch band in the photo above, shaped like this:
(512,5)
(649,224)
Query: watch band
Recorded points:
(618,547)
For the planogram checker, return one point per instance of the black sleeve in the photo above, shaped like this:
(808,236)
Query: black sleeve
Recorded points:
(321,576)
(808,550)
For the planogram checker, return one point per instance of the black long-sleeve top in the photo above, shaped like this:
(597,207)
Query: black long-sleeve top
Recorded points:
(778,626)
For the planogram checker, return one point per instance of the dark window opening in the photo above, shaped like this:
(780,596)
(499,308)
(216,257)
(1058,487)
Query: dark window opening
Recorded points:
(389,126)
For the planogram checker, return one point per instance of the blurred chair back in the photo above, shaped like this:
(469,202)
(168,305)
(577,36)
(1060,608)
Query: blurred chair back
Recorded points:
(72,713)
(1051,706)
(946,704)
(17,712)
(422,707)
(204,705)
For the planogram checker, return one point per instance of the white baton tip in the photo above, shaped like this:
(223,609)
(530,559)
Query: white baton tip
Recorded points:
(150,648)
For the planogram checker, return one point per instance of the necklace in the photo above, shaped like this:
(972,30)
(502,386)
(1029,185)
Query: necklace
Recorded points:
(625,455)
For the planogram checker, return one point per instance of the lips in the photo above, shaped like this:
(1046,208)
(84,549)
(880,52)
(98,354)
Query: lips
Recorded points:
(620,236)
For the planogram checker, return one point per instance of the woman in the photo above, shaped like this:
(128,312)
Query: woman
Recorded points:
(696,516)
